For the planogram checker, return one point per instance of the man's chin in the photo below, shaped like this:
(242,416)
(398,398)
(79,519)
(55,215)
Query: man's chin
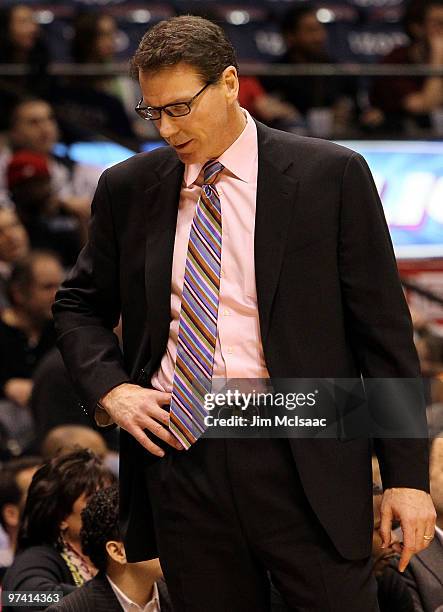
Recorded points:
(190,157)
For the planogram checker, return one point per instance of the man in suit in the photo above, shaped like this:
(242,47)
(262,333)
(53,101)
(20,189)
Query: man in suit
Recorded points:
(240,252)
(119,585)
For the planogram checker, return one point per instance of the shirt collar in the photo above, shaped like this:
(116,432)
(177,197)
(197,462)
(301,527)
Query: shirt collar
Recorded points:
(125,602)
(238,159)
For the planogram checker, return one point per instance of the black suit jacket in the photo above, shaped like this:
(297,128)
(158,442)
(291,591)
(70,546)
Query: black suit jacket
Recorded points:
(97,595)
(38,568)
(424,576)
(329,302)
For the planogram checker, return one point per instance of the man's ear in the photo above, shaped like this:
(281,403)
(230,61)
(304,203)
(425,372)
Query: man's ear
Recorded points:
(116,551)
(230,80)
(11,515)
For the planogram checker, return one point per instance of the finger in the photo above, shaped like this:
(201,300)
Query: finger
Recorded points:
(429,531)
(161,432)
(406,555)
(409,544)
(159,414)
(385,526)
(162,415)
(143,439)
(160,397)
(420,542)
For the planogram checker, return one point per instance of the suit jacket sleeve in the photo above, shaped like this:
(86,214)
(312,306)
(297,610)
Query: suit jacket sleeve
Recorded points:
(87,308)
(378,321)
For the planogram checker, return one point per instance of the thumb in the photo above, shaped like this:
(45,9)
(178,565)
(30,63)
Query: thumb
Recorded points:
(386,525)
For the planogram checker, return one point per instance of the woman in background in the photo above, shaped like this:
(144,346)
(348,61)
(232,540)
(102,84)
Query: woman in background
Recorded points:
(95,41)
(98,104)
(49,554)
(21,42)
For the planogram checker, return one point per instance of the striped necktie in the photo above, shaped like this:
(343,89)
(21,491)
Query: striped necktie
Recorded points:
(198,315)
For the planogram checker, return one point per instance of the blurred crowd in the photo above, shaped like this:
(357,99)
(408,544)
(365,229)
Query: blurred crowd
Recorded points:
(101,104)
(58,495)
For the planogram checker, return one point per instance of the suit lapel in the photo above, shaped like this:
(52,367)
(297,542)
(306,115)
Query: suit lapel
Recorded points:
(162,200)
(276,191)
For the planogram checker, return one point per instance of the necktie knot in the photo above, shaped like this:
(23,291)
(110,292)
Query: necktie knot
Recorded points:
(211,170)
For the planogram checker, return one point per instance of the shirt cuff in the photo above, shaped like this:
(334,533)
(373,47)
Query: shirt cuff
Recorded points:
(101,417)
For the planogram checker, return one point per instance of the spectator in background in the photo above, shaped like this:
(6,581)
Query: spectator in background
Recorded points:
(95,42)
(424,574)
(15,478)
(14,247)
(436,479)
(64,438)
(430,351)
(31,125)
(26,327)
(21,42)
(96,105)
(119,585)
(94,38)
(49,550)
(306,41)
(54,401)
(413,97)
(393,593)
(266,107)
(48,222)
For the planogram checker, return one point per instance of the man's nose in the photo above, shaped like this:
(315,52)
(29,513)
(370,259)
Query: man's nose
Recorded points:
(166,126)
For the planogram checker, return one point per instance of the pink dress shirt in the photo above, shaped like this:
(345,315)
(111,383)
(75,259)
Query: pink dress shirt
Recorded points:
(238,350)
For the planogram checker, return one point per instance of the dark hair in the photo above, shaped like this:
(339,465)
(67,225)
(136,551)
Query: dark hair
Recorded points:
(22,274)
(193,40)
(38,56)
(53,491)
(294,15)
(14,105)
(100,525)
(85,36)
(415,14)
(10,492)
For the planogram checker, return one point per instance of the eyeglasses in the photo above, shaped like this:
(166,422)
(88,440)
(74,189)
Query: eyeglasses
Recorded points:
(176,109)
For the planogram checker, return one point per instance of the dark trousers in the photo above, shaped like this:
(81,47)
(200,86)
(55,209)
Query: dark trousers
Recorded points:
(228,511)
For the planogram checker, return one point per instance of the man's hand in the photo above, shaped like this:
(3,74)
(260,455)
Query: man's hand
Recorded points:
(135,409)
(416,513)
